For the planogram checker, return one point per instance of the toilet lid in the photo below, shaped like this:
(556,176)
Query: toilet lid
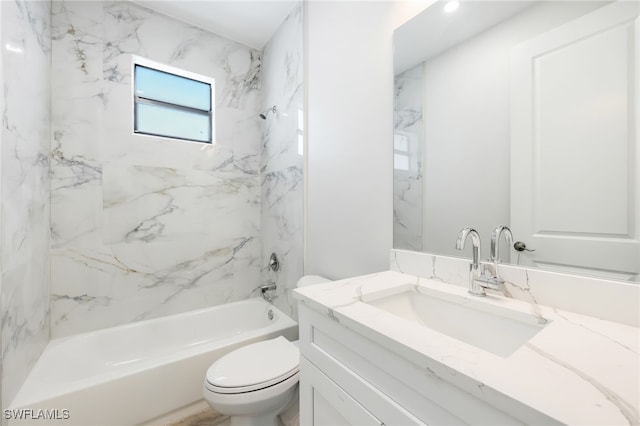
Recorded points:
(255,364)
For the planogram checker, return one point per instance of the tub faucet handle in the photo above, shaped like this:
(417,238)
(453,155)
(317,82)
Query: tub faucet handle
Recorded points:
(274,263)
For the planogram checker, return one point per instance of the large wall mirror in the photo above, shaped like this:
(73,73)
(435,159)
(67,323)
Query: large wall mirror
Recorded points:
(522,114)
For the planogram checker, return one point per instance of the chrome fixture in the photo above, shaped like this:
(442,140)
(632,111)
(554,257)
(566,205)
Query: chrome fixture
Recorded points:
(495,247)
(267,291)
(274,263)
(495,241)
(478,280)
(264,115)
(520,246)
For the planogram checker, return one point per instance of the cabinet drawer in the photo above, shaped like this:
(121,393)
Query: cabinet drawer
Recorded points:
(324,403)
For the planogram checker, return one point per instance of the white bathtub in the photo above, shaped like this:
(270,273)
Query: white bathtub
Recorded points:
(133,373)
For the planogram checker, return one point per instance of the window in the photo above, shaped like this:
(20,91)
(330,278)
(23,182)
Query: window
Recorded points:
(172,103)
(400,152)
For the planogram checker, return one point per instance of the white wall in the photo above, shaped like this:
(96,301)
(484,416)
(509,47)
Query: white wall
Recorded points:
(349,200)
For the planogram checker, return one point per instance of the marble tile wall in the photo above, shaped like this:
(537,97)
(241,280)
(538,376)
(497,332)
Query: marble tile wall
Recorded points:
(24,174)
(144,226)
(408,140)
(281,169)
(601,298)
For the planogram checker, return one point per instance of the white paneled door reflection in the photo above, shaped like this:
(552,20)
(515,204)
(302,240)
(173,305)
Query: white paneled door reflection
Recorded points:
(574,145)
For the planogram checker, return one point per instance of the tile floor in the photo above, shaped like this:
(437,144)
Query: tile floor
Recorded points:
(208,417)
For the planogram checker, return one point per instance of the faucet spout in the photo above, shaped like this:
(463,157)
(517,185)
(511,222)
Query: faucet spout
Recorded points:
(268,291)
(474,271)
(495,241)
(495,248)
(475,241)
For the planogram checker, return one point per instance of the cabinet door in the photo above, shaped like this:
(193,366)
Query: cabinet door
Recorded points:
(323,403)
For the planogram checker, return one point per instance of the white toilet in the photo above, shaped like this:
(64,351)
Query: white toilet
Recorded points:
(255,383)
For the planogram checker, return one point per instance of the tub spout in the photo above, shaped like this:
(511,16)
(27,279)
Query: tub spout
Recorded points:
(268,291)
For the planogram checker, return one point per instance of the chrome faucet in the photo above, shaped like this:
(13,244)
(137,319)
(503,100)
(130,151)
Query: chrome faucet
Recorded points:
(495,247)
(478,281)
(268,291)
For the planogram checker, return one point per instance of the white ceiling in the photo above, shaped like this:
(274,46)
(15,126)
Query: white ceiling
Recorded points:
(250,22)
(434,31)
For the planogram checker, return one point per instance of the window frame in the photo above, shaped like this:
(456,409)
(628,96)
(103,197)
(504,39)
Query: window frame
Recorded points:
(135,99)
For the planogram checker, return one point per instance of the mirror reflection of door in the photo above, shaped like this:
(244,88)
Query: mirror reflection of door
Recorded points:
(455,72)
(574,145)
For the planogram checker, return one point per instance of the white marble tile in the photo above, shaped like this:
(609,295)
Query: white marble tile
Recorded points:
(76,105)
(601,298)
(158,204)
(281,172)
(146,226)
(130,29)
(130,282)
(25,206)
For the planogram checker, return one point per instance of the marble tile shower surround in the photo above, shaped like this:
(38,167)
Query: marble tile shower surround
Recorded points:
(407,184)
(281,168)
(25,162)
(600,298)
(143,226)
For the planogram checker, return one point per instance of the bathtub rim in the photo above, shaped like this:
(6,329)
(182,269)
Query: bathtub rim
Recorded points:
(166,318)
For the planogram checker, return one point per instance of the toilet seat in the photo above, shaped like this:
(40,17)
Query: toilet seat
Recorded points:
(254,367)
(246,389)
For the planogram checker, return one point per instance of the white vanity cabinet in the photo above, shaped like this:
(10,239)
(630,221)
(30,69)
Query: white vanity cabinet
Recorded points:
(372,353)
(323,402)
(347,379)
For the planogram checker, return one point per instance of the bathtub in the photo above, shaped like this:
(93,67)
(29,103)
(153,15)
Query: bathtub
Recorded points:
(136,372)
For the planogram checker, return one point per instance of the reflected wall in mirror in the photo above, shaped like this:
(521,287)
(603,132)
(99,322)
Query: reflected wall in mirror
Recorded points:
(522,114)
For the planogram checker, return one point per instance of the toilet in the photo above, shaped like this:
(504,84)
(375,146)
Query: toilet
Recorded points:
(255,383)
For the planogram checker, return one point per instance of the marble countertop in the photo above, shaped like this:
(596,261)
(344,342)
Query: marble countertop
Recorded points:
(577,370)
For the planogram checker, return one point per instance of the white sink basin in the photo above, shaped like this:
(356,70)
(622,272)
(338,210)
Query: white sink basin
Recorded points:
(498,330)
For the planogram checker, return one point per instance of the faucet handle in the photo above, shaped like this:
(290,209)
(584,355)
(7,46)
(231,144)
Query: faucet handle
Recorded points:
(490,281)
(274,263)
(520,246)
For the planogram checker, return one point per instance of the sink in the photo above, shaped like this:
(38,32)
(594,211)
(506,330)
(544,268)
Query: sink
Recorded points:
(495,329)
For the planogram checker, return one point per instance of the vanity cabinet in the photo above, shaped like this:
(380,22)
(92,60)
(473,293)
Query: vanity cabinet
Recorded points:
(347,379)
(397,349)
(327,404)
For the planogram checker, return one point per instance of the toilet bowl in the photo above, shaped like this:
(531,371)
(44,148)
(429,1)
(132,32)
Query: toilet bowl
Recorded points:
(255,383)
